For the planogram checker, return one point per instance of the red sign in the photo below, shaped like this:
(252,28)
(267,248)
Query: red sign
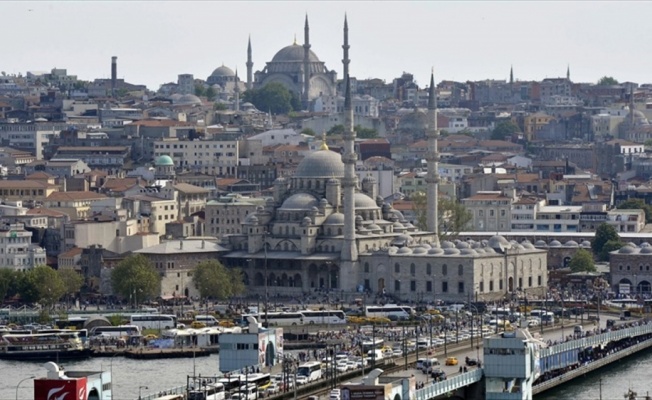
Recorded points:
(60,389)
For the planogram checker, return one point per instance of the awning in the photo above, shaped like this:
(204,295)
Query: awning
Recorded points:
(284,255)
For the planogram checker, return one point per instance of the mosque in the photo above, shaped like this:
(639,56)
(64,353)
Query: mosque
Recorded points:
(297,68)
(323,230)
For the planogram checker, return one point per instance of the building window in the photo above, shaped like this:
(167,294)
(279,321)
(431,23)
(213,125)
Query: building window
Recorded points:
(413,269)
(428,286)
(481,286)
(460,270)
(460,287)
(397,268)
(413,286)
(366,267)
(444,269)
(491,286)
(529,281)
(500,285)
(520,283)
(429,269)
(444,287)
(397,286)
(540,280)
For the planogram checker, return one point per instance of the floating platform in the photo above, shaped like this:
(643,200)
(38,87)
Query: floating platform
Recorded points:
(152,354)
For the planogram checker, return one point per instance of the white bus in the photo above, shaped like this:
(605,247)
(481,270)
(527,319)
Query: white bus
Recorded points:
(154,321)
(115,331)
(281,319)
(323,317)
(210,391)
(389,311)
(311,370)
(375,344)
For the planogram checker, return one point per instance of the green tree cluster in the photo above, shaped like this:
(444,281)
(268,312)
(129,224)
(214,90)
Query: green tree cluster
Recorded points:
(360,131)
(273,97)
(216,281)
(637,204)
(135,277)
(606,240)
(607,81)
(582,261)
(504,130)
(41,284)
(453,216)
(200,90)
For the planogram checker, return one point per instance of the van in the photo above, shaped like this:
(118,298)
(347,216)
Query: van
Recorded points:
(377,354)
(207,320)
(429,365)
(578,330)
(420,363)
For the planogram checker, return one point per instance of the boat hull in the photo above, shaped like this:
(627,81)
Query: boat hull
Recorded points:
(44,356)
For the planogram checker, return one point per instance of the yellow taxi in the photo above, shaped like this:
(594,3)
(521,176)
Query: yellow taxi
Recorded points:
(451,361)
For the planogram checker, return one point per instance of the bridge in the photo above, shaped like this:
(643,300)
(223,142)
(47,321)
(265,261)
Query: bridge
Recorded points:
(517,366)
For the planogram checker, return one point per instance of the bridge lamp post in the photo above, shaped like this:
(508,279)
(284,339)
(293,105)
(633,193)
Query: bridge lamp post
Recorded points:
(21,381)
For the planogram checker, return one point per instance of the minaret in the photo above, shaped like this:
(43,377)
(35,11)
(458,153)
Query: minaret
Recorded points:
(345,46)
(306,65)
(237,92)
(568,72)
(250,66)
(511,75)
(432,177)
(350,181)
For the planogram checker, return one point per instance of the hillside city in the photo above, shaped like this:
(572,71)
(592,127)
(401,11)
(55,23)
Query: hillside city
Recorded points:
(247,168)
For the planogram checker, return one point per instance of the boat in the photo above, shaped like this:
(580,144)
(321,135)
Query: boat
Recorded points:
(43,347)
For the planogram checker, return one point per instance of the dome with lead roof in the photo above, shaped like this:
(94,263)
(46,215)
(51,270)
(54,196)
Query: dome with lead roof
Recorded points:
(436,251)
(555,243)
(404,250)
(300,201)
(364,201)
(540,243)
(293,53)
(223,71)
(585,244)
(334,219)
(451,251)
(627,250)
(420,250)
(321,164)
(571,243)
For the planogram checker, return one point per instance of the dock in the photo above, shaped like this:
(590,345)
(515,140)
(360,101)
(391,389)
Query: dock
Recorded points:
(152,354)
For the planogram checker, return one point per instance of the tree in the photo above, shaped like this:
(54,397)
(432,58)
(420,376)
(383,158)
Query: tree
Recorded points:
(200,90)
(136,277)
(504,130)
(637,204)
(210,93)
(215,281)
(336,130)
(44,285)
(603,234)
(420,207)
(217,106)
(608,247)
(72,281)
(607,81)
(453,218)
(582,261)
(273,97)
(8,280)
(365,133)
(308,131)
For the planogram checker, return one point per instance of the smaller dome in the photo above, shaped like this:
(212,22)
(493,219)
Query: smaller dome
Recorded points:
(518,246)
(323,202)
(571,243)
(451,251)
(585,244)
(525,241)
(555,243)
(404,250)
(436,251)
(489,250)
(479,250)
(164,160)
(398,225)
(528,246)
(498,242)
(420,250)
(632,244)
(627,250)
(468,252)
(374,228)
(364,201)
(223,71)
(334,219)
(402,240)
(189,99)
(644,244)
(426,246)
(462,245)
(251,219)
(646,250)
(299,201)
(392,250)
(540,243)
(447,245)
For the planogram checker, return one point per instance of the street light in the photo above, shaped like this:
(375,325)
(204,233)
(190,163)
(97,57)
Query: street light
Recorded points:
(23,380)
(266,277)
(139,390)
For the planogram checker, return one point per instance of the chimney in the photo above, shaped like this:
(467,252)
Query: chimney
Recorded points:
(114,74)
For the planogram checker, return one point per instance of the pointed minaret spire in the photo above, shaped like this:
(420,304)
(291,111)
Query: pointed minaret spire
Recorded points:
(345,47)
(236,89)
(250,65)
(568,72)
(432,158)
(511,75)
(306,65)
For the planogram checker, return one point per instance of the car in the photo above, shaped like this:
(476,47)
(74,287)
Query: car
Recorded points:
(397,352)
(273,389)
(470,362)
(451,361)
(438,374)
(302,380)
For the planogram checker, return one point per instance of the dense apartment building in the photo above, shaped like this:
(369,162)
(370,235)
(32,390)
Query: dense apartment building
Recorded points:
(215,157)
(226,215)
(491,211)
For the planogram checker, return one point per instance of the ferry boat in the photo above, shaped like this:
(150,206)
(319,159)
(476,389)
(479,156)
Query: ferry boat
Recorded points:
(43,347)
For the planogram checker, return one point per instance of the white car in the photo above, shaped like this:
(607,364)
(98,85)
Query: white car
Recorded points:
(302,380)
(273,389)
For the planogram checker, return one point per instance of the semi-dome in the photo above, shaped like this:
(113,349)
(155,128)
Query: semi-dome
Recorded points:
(300,201)
(364,201)
(223,71)
(321,164)
(334,219)
(163,161)
(293,53)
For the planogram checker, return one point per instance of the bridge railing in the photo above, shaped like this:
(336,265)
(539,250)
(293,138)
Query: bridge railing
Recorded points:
(597,339)
(449,385)
(175,390)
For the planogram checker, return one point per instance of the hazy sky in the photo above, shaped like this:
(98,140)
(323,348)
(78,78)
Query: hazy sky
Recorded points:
(463,40)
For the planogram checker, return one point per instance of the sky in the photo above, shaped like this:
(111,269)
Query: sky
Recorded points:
(462,40)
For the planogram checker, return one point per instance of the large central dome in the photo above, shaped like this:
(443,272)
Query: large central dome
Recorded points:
(321,164)
(293,53)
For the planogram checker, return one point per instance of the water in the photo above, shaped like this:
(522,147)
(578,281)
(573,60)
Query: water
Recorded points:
(615,379)
(128,374)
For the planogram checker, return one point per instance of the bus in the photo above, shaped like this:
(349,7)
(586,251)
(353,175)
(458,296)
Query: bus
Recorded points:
(280,319)
(374,344)
(154,321)
(262,381)
(232,382)
(323,317)
(390,311)
(209,391)
(115,331)
(311,370)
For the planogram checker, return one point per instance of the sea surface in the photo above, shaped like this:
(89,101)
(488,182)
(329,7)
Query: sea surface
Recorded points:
(609,383)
